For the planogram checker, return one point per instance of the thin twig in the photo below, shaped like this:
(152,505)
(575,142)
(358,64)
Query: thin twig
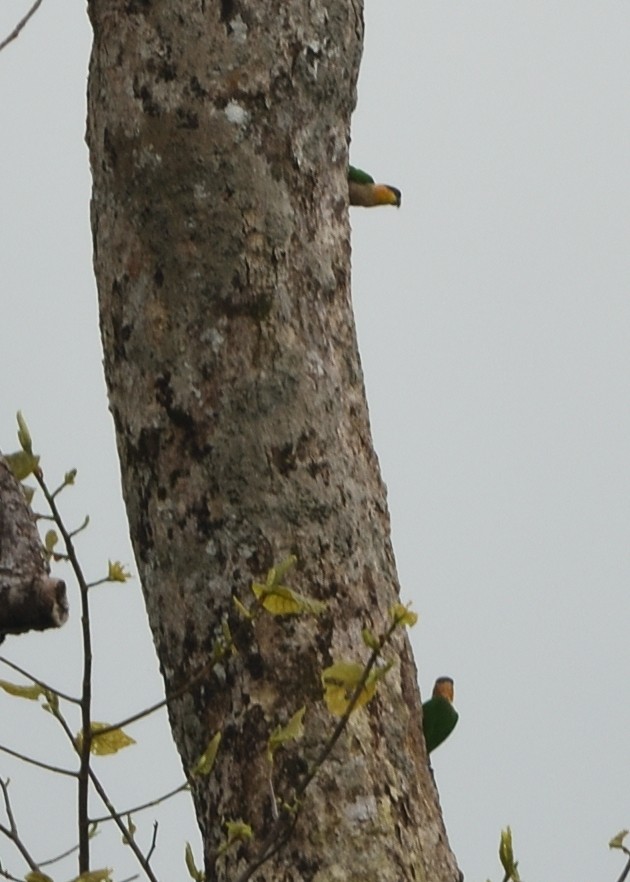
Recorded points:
(22,22)
(37,681)
(625,871)
(153,841)
(11,832)
(59,857)
(29,759)
(145,805)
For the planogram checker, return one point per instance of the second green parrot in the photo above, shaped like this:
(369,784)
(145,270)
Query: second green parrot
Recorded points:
(439,717)
(364,191)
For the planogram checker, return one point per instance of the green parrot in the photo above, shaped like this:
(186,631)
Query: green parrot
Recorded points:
(439,717)
(363,190)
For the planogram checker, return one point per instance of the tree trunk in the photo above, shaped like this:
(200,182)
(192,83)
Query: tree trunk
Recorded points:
(219,138)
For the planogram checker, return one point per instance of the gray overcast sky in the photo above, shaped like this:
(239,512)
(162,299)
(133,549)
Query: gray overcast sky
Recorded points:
(493,321)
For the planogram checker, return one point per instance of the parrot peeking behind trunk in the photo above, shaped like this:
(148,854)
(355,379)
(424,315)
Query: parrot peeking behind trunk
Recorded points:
(364,191)
(439,717)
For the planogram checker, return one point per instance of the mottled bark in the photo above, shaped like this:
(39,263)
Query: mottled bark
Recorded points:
(219,137)
(30,600)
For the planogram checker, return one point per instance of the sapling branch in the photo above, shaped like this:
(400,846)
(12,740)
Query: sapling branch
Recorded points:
(86,687)
(20,25)
(11,832)
(41,765)
(181,788)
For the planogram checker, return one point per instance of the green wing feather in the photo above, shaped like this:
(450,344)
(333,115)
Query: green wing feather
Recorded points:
(439,718)
(358,176)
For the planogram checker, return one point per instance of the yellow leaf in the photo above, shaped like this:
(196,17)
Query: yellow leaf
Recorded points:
(22,464)
(370,639)
(116,572)
(293,730)
(193,872)
(50,540)
(617,841)
(238,830)
(24,436)
(280,600)
(36,876)
(402,615)
(109,742)
(31,692)
(506,855)
(204,764)
(340,682)
(104,875)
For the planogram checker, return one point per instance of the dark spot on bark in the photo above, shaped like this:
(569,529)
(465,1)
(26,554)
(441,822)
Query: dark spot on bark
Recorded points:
(227,9)
(245,303)
(136,7)
(306,869)
(170,533)
(158,277)
(197,89)
(109,149)
(166,71)
(125,333)
(255,665)
(162,493)
(190,642)
(187,119)
(283,458)
(148,445)
(165,396)
(199,511)
(149,105)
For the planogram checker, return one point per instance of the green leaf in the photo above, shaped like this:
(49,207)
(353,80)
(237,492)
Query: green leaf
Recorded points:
(340,681)
(109,742)
(282,601)
(32,693)
(50,540)
(370,639)
(131,827)
(22,464)
(52,702)
(24,436)
(617,841)
(506,855)
(36,876)
(293,730)
(237,831)
(281,570)
(242,610)
(69,477)
(193,872)
(402,615)
(116,572)
(204,764)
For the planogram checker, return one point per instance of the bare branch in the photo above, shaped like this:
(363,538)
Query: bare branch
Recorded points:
(11,832)
(33,762)
(20,25)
